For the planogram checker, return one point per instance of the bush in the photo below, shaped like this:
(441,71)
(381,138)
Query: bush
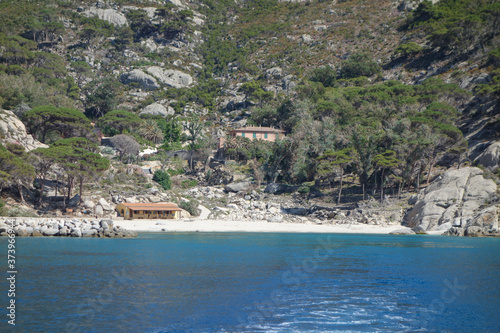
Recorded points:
(191,207)
(162,178)
(326,75)
(359,64)
(3,210)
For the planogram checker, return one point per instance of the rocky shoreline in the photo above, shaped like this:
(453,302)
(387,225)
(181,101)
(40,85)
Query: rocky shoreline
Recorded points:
(26,227)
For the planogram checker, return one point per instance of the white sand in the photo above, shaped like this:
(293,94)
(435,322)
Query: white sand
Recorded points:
(194,225)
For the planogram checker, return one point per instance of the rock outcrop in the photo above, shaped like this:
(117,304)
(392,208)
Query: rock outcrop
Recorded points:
(490,157)
(157,109)
(145,81)
(14,131)
(238,187)
(171,77)
(460,199)
(111,15)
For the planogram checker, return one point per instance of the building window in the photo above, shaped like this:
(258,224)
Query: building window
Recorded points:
(243,134)
(265,135)
(255,135)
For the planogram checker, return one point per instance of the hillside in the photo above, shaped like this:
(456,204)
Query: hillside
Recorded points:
(380,97)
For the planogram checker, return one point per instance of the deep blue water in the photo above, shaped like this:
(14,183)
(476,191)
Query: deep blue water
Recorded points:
(240,282)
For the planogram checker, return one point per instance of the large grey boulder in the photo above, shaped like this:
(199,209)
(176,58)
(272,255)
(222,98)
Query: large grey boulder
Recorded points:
(99,211)
(275,188)
(14,131)
(402,232)
(455,199)
(274,73)
(238,187)
(50,231)
(111,15)
(157,109)
(490,157)
(145,81)
(171,77)
(105,205)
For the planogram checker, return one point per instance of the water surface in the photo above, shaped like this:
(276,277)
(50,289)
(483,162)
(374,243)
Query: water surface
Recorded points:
(244,282)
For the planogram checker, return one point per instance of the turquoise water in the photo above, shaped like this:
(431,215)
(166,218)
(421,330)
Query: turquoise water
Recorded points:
(240,282)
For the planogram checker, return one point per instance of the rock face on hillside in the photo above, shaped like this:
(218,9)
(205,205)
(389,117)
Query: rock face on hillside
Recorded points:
(490,157)
(170,77)
(157,109)
(110,15)
(457,199)
(145,81)
(14,131)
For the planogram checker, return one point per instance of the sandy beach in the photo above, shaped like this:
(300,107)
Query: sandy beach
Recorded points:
(201,225)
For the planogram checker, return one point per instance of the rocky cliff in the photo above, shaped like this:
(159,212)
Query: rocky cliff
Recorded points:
(461,201)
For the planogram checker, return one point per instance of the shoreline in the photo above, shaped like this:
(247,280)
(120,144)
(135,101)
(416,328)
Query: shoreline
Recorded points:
(200,225)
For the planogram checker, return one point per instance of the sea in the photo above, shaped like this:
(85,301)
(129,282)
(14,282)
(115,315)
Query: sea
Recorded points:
(254,282)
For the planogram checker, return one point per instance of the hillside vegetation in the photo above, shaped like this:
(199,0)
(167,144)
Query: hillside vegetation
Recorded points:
(381,94)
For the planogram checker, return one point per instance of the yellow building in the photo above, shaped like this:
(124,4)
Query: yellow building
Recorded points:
(148,211)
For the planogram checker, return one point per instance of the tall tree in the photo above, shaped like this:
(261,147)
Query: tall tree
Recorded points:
(15,169)
(336,160)
(118,121)
(194,126)
(101,96)
(42,120)
(385,161)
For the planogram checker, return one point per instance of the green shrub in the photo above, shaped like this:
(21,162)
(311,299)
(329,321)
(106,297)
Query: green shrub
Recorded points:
(162,178)
(408,49)
(3,210)
(359,64)
(191,207)
(189,183)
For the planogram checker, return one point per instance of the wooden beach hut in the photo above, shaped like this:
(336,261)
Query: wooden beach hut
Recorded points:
(131,211)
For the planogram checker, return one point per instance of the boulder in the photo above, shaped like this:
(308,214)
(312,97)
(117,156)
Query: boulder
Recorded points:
(402,232)
(99,211)
(89,204)
(145,81)
(77,232)
(220,175)
(105,205)
(111,15)
(50,232)
(474,231)
(274,73)
(157,109)
(89,233)
(490,157)
(171,77)
(238,187)
(22,232)
(73,202)
(63,231)
(274,188)
(275,219)
(457,194)
(14,131)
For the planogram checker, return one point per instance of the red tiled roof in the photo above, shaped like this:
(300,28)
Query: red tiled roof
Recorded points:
(258,129)
(151,206)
